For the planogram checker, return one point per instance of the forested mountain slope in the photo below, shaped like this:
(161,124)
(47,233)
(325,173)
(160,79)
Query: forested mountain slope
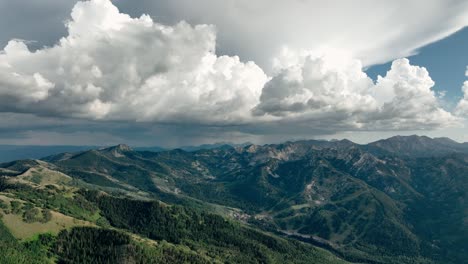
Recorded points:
(400,200)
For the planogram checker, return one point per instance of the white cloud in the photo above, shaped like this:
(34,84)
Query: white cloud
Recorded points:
(373,31)
(462,107)
(111,66)
(116,68)
(323,88)
(408,99)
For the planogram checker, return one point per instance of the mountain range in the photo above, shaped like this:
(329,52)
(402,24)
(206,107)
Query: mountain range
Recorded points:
(18,152)
(398,200)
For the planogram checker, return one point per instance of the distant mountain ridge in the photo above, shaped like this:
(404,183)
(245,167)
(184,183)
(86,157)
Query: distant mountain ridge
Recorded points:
(389,146)
(419,146)
(16,152)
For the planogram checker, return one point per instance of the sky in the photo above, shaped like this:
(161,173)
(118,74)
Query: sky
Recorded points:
(183,72)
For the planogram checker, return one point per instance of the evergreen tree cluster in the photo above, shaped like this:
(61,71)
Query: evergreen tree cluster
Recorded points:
(218,237)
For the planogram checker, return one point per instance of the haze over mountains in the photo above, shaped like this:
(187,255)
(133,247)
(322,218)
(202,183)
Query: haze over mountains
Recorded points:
(16,152)
(398,200)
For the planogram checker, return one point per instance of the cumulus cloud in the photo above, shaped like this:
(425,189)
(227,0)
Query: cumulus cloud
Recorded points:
(305,83)
(408,100)
(113,67)
(462,107)
(335,88)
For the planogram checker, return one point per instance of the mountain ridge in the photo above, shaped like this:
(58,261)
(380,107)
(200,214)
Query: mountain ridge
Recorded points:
(16,152)
(370,203)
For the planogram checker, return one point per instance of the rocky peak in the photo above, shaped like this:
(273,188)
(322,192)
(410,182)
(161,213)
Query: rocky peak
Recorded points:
(123,147)
(118,151)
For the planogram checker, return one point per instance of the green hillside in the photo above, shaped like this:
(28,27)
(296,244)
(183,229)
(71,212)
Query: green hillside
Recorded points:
(401,200)
(106,229)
